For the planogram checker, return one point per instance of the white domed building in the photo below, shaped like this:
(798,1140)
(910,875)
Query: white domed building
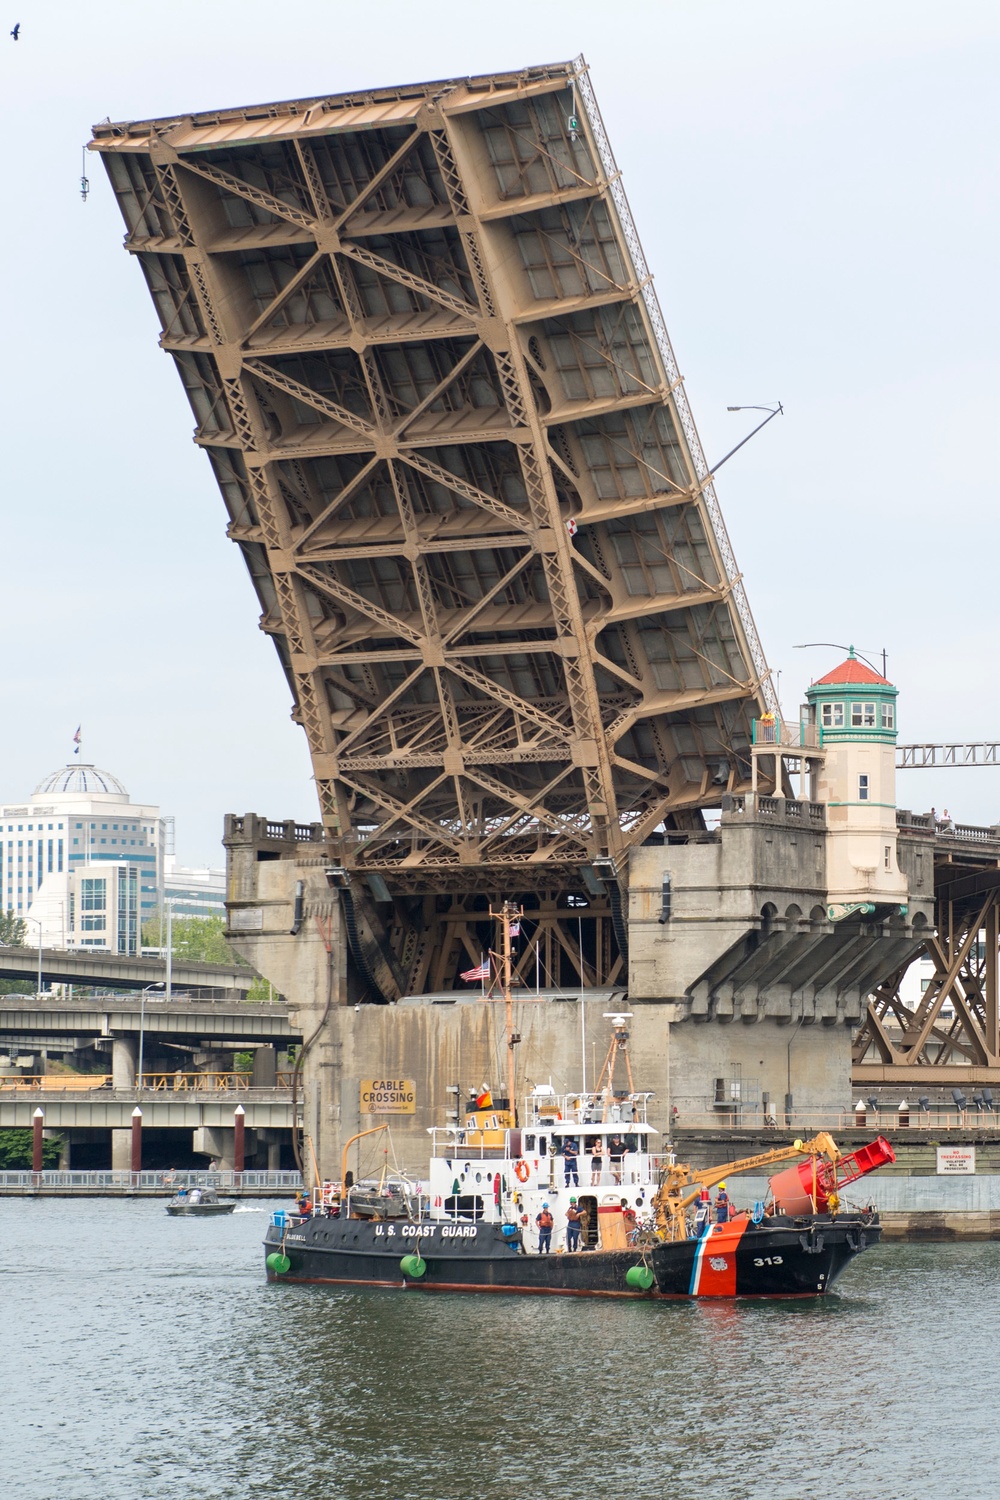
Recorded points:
(83,859)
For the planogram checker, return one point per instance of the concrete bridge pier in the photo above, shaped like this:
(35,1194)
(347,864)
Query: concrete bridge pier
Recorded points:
(121,1150)
(124,1054)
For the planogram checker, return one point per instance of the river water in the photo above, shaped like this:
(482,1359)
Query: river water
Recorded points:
(146,1358)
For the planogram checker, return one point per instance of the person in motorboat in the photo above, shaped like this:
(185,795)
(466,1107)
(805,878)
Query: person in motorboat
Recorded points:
(703,1214)
(722,1205)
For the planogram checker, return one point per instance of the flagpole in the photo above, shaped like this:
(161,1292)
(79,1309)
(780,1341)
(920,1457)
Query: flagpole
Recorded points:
(509,1014)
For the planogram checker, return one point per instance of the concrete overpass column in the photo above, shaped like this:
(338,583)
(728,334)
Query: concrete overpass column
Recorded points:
(217,1141)
(123,1057)
(121,1150)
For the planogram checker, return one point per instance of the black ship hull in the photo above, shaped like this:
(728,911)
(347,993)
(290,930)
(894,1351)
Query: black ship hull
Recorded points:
(782,1258)
(456,1258)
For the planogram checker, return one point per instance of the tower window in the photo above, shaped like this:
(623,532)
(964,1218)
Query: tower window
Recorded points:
(888,857)
(862,716)
(833,716)
(862,788)
(888,716)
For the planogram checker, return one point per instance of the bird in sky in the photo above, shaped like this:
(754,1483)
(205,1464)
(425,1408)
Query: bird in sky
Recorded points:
(17,31)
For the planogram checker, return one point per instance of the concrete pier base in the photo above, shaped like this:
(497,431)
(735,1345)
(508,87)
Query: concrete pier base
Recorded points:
(121,1150)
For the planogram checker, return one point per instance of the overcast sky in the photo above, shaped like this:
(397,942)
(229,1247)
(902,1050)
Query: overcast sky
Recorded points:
(815,186)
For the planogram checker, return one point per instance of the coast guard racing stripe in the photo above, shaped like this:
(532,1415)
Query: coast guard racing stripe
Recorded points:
(714,1271)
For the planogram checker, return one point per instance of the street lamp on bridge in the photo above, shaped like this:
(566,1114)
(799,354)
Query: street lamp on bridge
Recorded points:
(39,925)
(159,985)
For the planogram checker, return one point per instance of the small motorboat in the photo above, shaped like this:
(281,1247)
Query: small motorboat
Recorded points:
(199,1201)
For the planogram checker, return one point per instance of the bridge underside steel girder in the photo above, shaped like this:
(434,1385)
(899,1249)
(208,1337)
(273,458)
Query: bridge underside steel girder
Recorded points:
(953,1035)
(431,375)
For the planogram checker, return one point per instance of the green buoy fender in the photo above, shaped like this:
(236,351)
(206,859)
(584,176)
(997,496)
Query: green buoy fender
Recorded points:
(278,1264)
(640,1277)
(413,1266)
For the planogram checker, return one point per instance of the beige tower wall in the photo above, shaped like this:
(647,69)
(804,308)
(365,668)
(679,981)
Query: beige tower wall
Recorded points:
(862,861)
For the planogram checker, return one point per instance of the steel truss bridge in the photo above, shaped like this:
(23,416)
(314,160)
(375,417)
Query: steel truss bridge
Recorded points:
(427,364)
(952,1036)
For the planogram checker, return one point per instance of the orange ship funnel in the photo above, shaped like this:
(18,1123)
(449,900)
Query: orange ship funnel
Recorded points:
(806,1187)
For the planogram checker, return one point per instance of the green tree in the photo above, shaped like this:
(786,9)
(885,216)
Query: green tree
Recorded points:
(13,930)
(198,939)
(260,989)
(15,1151)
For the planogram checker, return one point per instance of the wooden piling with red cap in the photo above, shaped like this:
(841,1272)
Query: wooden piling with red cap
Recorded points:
(239,1137)
(137,1139)
(37,1122)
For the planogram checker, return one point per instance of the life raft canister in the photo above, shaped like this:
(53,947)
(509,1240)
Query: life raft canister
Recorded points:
(521,1170)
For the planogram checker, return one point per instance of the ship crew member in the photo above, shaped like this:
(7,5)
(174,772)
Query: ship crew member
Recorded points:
(628,1217)
(544,1221)
(573,1217)
(704,1211)
(722,1205)
(616,1151)
(570,1163)
(596,1163)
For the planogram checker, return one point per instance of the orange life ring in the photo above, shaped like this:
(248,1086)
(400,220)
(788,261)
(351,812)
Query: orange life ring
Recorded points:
(522,1171)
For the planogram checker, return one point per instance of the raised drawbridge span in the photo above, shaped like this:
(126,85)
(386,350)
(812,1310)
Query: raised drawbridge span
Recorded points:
(429,369)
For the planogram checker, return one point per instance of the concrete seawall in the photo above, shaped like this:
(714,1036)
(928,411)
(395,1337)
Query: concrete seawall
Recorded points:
(914,1201)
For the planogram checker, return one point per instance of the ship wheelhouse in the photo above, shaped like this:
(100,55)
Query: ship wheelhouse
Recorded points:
(596,1148)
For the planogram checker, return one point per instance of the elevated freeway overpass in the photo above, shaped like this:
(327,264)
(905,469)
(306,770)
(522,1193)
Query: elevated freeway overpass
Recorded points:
(185,1022)
(108,970)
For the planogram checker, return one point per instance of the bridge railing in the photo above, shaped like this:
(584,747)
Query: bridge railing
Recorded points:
(150,1083)
(946,828)
(772,731)
(160,1182)
(809,1122)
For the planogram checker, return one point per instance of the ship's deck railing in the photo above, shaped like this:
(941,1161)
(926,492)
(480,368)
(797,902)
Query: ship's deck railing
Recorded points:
(584,1109)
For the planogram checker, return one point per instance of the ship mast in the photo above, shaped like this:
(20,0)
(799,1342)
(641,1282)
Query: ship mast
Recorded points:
(508,913)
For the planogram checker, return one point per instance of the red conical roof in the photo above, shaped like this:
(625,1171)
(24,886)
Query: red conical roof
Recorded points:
(852,670)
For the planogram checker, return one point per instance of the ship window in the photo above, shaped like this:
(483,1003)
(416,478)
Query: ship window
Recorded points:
(833,716)
(464,1206)
(529,1143)
(862,716)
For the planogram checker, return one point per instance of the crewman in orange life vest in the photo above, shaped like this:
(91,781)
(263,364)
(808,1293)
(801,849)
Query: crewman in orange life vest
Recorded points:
(544,1221)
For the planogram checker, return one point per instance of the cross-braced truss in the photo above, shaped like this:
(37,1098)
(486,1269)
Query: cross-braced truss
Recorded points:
(953,1033)
(430,372)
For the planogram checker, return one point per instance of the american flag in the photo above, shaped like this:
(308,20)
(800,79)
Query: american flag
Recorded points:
(483,972)
(515,929)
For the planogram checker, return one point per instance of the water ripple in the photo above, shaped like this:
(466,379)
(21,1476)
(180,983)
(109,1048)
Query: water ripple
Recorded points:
(147,1359)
